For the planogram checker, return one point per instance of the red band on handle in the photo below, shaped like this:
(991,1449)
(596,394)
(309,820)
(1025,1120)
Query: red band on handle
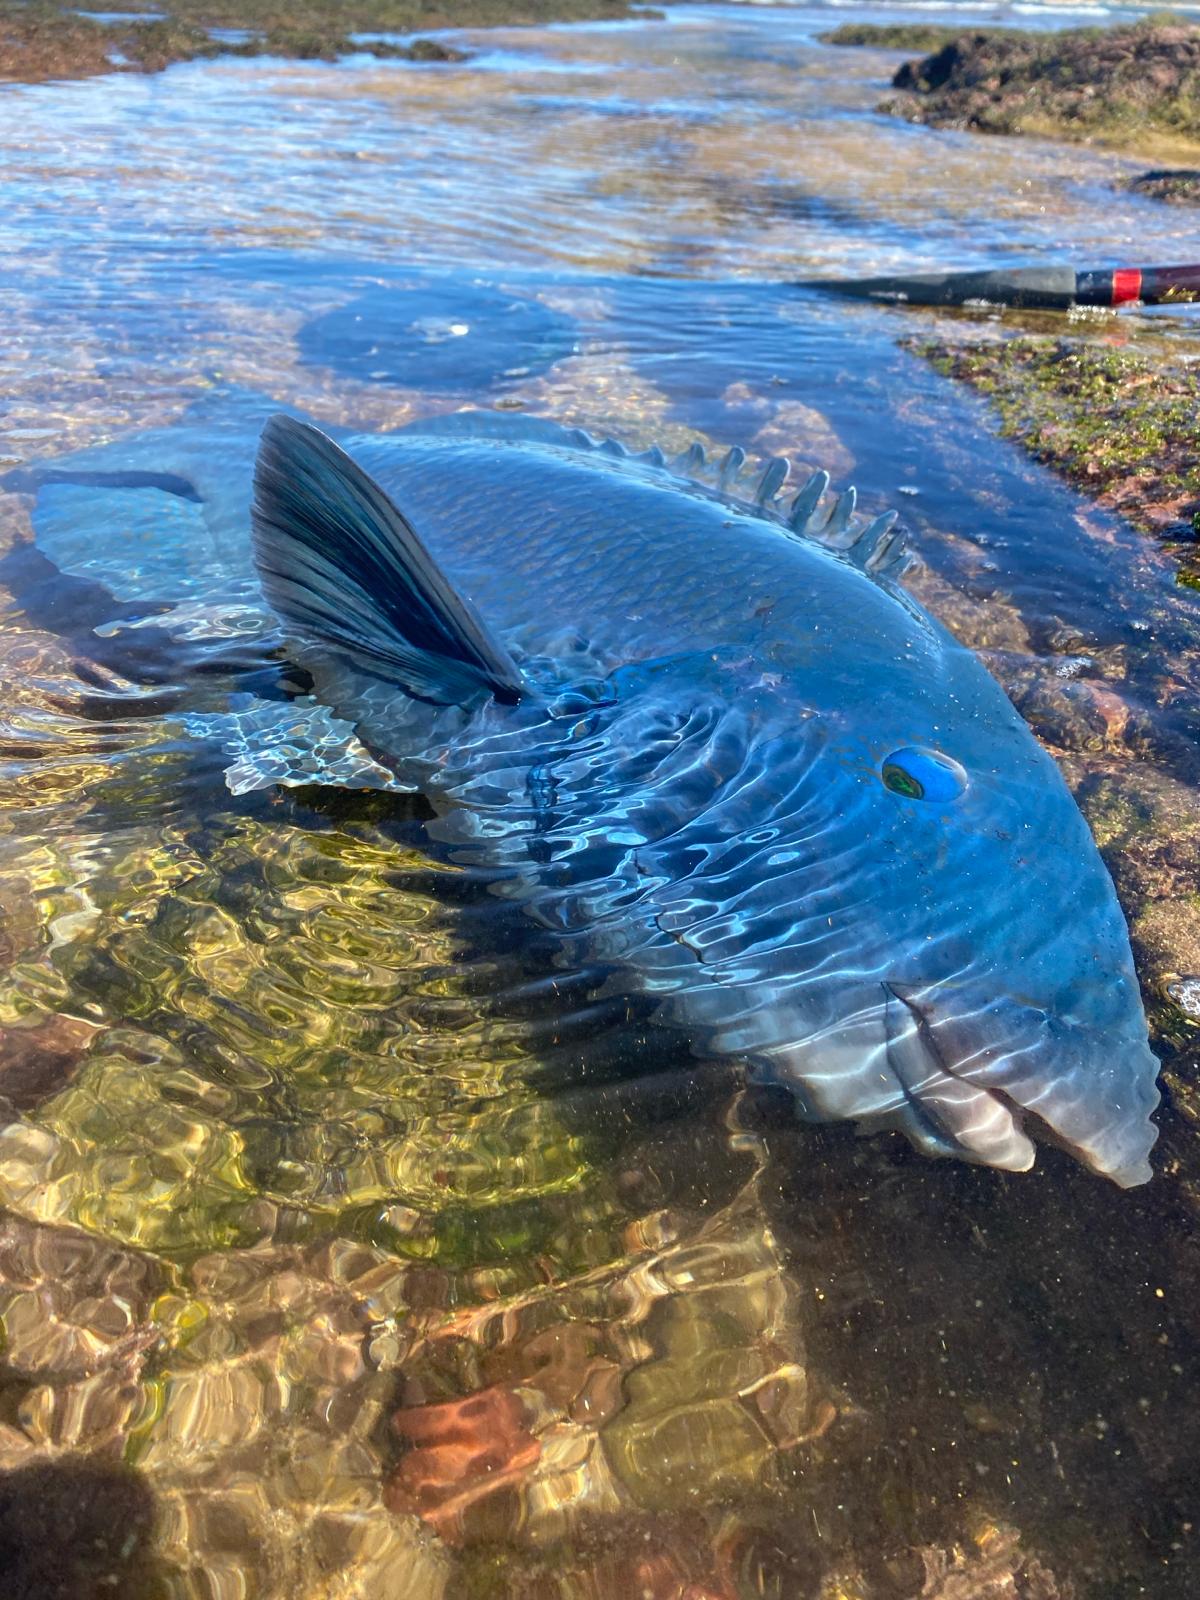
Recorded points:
(1126,285)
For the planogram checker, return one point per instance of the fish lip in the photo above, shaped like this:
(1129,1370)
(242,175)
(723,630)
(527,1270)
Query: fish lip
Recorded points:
(974,1121)
(1118,1151)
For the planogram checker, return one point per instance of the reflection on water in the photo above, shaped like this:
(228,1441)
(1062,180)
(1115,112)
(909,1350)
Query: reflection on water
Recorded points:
(349,1249)
(454,336)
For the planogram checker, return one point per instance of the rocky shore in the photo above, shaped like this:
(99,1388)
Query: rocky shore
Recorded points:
(1117,424)
(923,36)
(46,39)
(1178,186)
(1130,86)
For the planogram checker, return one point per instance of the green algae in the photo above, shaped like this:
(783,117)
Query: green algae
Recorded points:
(926,37)
(1133,85)
(1119,425)
(48,39)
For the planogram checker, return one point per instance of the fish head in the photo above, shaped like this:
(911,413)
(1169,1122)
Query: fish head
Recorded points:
(907,922)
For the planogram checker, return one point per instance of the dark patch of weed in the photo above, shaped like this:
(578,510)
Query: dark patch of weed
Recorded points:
(47,39)
(924,36)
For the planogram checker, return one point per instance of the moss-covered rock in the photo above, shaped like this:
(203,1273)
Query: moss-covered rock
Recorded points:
(924,36)
(316,44)
(1118,424)
(1118,86)
(49,39)
(1178,186)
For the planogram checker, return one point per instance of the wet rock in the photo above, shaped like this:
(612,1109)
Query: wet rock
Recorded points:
(1116,84)
(52,44)
(1117,424)
(1074,715)
(433,50)
(1166,933)
(1178,186)
(328,44)
(1147,825)
(52,40)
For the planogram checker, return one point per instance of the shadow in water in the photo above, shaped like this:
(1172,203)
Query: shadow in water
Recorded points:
(1044,1329)
(77,1530)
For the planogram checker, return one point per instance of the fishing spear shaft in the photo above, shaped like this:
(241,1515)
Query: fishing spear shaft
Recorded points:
(1051,288)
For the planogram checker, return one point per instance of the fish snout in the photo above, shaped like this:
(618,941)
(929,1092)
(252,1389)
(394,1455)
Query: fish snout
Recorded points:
(982,1071)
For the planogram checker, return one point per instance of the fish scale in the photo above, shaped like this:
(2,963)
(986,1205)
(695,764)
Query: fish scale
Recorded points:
(781,798)
(715,759)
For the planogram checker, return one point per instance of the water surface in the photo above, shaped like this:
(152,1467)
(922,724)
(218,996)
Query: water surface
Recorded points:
(395,1262)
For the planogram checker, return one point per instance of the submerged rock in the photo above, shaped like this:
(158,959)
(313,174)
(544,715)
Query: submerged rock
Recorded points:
(261,961)
(449,335)
(37,1061)
(992,1567)
(70,1305)
(656,1388)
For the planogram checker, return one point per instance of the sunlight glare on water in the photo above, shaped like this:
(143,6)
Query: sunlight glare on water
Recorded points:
(394,1260)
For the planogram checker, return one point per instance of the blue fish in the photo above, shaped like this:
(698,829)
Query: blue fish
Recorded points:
(731,763)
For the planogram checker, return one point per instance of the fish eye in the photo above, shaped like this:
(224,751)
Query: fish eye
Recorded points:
(923,774)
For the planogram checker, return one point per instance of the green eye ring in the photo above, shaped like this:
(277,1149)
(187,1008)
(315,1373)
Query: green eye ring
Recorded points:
(917,774)
(900,782)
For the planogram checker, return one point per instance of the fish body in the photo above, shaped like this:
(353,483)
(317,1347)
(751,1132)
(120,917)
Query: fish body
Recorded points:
(741,770)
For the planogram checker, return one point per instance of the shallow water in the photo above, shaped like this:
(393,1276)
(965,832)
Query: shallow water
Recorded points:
(394,1262)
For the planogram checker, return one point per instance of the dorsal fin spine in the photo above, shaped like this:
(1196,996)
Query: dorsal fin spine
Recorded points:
(773,479)
(733,463)
(806,502)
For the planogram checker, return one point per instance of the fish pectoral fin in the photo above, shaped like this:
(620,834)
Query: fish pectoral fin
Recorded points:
(343,567)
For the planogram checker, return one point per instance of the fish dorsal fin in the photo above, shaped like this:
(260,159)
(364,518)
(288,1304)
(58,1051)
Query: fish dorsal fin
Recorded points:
(343,567)
(800,514)
(876,547)
(774,477)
